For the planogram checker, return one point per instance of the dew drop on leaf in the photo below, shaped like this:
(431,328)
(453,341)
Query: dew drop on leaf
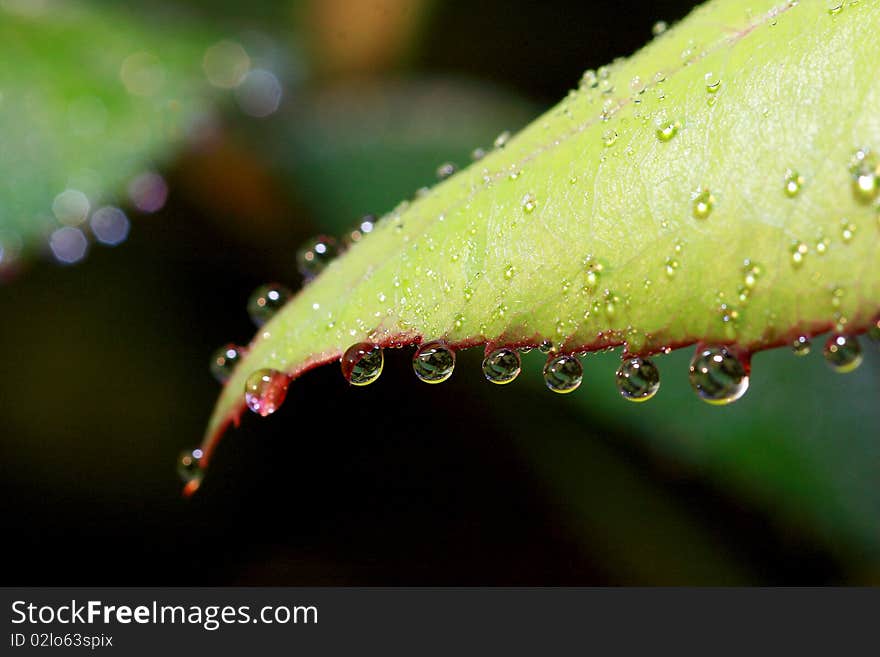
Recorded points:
(265,390)
(316,254)
(266,300)
(445,170)
(718,376)
(362,363)
(502,366)
(189,465)
(703,204)
(224,360)
(801,345)
(433,362)
(843,353)
(563,373)
(793,183)
(638,379)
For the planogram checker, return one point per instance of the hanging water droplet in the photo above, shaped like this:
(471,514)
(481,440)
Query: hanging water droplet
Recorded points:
(563,374)
(315,255)
(843,353)
(659,28)
(865,169)
(265,301)
(589,80)
(362,363)
(501,366)
(529,202)
(545,347)
(445,170)
(365,226)
(718,376)
(638,379)
(224,360)
(189,466)
(793,183)
(801,345)
(265,390)
(502,139)
(433,362)
(703,204)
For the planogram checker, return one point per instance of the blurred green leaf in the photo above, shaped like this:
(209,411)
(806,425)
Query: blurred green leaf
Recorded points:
(88,100)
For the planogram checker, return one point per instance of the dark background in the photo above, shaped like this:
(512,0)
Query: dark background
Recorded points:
(105,380)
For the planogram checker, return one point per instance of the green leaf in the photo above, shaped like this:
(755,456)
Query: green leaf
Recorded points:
(701,192)
(88,100)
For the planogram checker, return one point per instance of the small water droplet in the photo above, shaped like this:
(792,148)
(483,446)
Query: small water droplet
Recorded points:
(835,7)
(433,362)
(313,256)
(445,170)
(793,183)
(545,347)
(265,390)
(589,80)
(843,353)
(703,203)
(609,137)
(502,366)
(362,363)
(865,170)
(659,28)
(563,373)
(501,140)
(718,376)
(509,271)
(847,230)
(713,82)
(666,130)
(799,251)
(478,154)
(801,345)
(638,379)
(189,466)
(265,301)
(529,202)
(224,360)
(365,226)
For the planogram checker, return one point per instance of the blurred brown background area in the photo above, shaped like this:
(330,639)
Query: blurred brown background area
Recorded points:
(106,379)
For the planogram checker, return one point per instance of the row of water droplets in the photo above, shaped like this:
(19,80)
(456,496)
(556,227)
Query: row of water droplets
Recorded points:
(718,374)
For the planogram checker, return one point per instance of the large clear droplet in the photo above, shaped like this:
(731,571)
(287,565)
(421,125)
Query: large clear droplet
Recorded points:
(266,300)
(843,353)
(502,366)
(362,363)
(718,376)
(563,373)
(638,379)
(433,362)
(265,390)
(316,254)
(224,360)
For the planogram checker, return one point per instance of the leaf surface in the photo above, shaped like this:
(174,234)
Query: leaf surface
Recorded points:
(653,210)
